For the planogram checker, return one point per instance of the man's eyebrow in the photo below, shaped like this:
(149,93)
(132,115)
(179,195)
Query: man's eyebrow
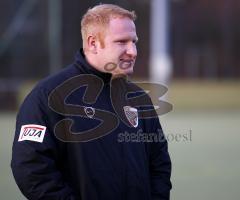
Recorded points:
(126,39)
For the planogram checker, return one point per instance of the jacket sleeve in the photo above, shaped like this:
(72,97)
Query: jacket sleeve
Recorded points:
(35,156)
(160,164)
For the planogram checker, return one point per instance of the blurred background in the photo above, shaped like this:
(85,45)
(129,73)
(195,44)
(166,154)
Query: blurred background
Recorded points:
(191,46)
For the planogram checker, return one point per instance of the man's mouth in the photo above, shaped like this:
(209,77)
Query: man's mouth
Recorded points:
(126,63)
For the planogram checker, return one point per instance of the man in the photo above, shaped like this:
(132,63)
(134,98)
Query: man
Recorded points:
(72,131)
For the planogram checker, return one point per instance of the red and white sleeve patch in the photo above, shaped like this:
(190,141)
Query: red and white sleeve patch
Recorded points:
(32,132)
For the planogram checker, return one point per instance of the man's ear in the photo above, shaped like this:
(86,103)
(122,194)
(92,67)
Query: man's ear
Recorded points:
(92,44)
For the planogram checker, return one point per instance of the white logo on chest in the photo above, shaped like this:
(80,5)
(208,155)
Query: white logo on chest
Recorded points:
(90,112)
(132,115)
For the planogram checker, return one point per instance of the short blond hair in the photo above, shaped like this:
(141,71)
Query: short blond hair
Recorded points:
(97,18)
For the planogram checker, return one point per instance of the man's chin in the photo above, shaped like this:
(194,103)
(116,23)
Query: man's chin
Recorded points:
(123,72)
(129,72)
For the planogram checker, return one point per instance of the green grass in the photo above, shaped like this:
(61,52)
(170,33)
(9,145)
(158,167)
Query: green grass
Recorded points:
(207,167)
(203,94)
(8,188)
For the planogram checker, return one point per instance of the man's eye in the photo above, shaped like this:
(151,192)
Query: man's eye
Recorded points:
(121,42)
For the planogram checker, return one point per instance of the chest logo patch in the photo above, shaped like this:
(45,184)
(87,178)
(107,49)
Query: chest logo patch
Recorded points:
(132,115)
(32,132)
(90,112)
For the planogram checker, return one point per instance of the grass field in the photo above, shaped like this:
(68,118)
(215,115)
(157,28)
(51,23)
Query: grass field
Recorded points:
(206,162)
(204,142)
(8,188)
(207,167)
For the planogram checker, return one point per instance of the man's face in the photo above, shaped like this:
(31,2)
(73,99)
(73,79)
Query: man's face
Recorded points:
(119,46)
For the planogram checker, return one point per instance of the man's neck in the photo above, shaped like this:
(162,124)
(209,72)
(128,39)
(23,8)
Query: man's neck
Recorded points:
(91,59)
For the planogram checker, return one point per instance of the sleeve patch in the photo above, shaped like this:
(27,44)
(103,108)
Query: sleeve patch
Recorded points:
(32,132)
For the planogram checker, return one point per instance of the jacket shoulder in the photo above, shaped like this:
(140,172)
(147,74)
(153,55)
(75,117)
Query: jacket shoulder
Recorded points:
(52,81)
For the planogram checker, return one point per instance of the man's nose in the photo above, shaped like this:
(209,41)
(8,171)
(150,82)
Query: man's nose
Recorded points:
(132,49)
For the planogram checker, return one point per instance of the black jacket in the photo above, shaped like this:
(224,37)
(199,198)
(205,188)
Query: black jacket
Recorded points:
(75,140)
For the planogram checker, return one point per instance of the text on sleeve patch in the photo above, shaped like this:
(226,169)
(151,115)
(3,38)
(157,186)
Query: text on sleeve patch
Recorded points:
(32,132)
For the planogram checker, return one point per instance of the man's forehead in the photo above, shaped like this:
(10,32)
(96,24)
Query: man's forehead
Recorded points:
(121,25)
(121,28)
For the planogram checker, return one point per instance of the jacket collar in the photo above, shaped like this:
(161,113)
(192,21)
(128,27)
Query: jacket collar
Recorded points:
(84,66)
